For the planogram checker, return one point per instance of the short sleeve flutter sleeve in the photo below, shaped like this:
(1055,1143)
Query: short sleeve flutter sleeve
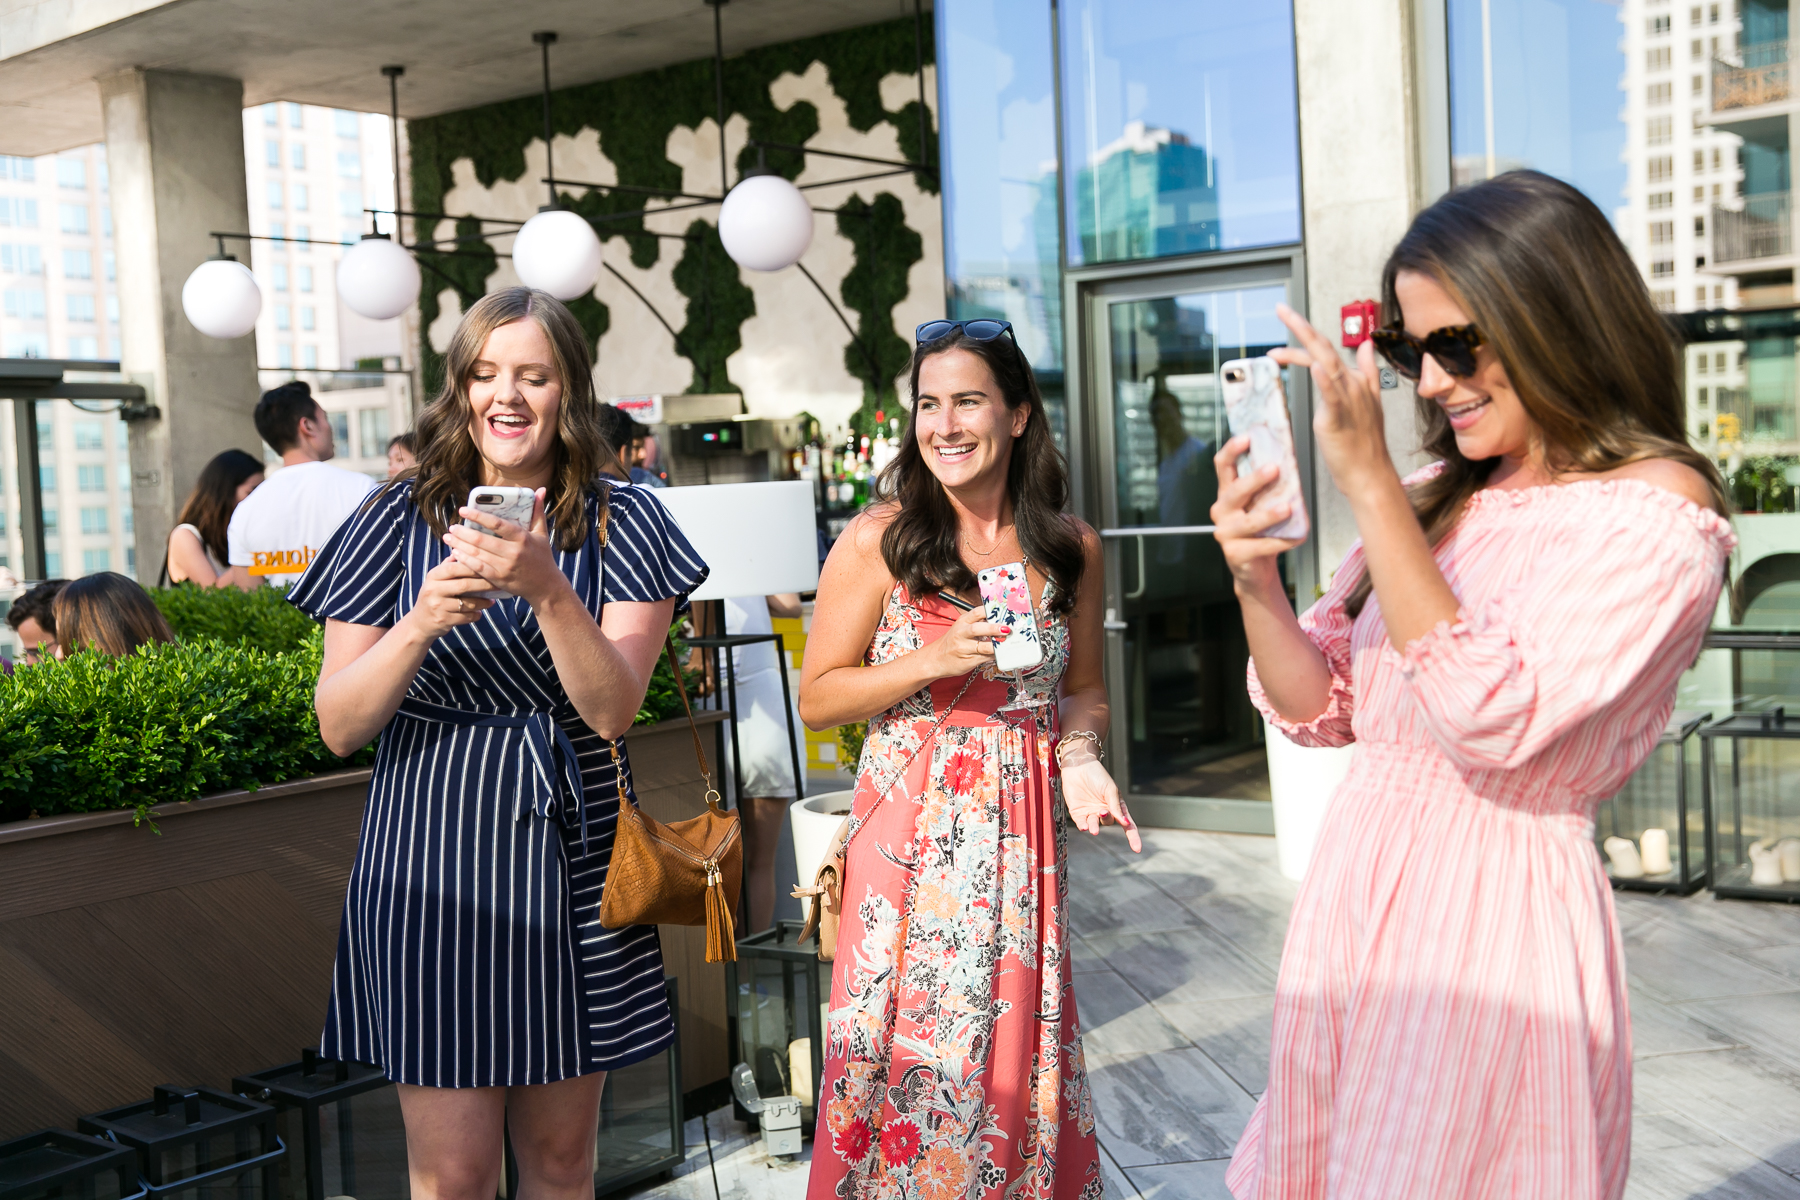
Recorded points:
(1327,625)
(356,577)
(648,558)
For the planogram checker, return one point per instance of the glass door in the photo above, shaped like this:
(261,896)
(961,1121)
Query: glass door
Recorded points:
(1186,744)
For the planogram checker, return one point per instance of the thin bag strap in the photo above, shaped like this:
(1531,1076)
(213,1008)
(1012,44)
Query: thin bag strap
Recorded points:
(712,794)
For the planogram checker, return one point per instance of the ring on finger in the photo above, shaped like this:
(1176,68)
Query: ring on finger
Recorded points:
(462,604)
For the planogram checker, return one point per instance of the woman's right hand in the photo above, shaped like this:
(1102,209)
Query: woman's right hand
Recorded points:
(966,645)
(446,599)
(1240,514)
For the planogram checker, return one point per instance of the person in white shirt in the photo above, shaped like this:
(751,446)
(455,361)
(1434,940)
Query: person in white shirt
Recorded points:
(281,525)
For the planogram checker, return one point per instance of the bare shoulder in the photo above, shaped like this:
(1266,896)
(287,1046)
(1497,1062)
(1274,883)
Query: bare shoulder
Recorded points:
(855,561)
(1670,476)
(1090,540)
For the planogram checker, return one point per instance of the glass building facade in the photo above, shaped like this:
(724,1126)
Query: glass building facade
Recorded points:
(1103,159)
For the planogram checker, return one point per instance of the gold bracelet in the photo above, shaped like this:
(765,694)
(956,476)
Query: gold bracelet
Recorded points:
(1080,735)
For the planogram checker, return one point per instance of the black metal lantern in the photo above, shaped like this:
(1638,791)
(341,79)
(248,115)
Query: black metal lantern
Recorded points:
(1751,763)
(1657,813)
(342,1121)
(776,994)
(68,1166)
(640,1132)
(195,1143)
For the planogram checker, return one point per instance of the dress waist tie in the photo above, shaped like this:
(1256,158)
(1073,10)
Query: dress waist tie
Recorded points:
(548,765)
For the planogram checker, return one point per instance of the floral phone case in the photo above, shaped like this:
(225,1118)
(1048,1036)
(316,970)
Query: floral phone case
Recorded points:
(1006,600)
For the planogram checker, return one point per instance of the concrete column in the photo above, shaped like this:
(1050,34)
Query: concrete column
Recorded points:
(175,154)
(1374,149)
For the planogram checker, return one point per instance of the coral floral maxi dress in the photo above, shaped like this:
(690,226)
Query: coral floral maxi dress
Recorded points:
(953,1066)
(1450,1018)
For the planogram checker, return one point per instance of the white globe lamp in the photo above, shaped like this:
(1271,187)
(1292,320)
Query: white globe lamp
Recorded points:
(557,252)
(765,223)
(378,278)
(221,298)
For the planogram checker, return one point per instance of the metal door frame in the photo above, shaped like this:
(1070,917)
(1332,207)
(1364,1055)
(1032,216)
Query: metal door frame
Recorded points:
(1088,293)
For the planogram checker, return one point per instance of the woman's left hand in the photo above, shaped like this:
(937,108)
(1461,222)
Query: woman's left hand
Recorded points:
(1093,799)
(1348,423)
(512,558)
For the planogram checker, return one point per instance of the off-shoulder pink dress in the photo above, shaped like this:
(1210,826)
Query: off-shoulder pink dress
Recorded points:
(1450,1018)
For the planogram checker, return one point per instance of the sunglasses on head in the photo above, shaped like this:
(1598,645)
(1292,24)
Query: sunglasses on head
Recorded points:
(1453,347)
(975,331)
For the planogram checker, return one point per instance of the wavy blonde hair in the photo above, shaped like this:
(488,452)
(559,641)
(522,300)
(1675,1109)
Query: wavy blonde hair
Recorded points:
(450,465)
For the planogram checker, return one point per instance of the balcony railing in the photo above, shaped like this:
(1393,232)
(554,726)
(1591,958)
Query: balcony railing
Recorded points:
(1763,228)
(1762,77)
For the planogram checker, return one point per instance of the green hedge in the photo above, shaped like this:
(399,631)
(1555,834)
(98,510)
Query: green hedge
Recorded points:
(170,722)
(262,618)
(229,706)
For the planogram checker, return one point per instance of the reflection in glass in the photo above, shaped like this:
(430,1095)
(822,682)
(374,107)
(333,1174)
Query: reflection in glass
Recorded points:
(1535,83)
(1192,730)
(998,125)
(1180,131)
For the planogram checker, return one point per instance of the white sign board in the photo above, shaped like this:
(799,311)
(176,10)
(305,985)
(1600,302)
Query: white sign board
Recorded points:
(758,538)
(645,410)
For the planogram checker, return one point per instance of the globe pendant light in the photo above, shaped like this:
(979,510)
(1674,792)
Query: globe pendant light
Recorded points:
(221,298)
(765,223)
(557,252)
(378,278)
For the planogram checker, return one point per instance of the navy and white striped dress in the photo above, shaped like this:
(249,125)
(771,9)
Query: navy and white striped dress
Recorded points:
(471,952)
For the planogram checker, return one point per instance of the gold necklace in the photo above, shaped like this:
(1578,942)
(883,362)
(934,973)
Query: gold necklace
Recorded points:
(985,553)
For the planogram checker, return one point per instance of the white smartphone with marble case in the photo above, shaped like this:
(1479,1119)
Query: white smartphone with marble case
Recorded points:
(1255,405)
(510,503)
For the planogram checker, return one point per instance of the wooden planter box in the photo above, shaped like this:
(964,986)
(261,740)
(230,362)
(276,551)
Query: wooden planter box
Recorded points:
(129,959)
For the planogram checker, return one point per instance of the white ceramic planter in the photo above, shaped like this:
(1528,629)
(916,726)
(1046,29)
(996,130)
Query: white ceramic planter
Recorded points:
(1302,780)
(815,820)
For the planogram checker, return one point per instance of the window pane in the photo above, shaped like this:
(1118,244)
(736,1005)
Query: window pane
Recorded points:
(297,155)
(89,435)
(340,428)
(1180,127)
(95,560)
(300,197)
(78,264)
(1556,72)
(345,121)
(373,426)
(71,172)
(999,145)
(74,217)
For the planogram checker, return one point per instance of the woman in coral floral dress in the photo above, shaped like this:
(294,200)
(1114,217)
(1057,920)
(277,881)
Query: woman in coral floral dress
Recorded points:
(1502,647)
(953,1065)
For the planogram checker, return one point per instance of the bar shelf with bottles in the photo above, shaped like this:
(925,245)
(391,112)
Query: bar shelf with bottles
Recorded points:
(843,470)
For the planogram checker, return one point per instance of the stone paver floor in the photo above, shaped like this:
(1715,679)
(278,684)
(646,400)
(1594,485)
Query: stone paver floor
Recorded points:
(1175,958)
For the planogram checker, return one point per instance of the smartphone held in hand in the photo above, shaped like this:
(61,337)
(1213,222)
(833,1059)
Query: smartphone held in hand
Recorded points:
(508,503)
(1256,407)
(1006,600)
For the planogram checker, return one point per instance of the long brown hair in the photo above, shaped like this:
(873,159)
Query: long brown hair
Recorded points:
(209,506)
(109,613)
(449,464)
(1539,270)
(920,544)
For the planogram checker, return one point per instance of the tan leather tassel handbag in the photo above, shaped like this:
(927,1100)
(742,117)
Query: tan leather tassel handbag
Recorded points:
(683,873)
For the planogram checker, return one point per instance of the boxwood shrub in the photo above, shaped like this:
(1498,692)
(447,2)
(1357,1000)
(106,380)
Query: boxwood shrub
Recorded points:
(228,706)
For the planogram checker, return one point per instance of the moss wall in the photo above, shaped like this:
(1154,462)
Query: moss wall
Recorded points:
(634,117)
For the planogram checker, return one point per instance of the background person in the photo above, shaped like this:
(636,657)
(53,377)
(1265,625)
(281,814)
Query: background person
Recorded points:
(196,552)
(402,453)
(33,617)
(964,1068)
(1503,646)
(472,965)
(278,528)
(107,612)
(626,437)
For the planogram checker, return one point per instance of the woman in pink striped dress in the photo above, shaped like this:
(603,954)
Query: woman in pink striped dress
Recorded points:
(1502,646)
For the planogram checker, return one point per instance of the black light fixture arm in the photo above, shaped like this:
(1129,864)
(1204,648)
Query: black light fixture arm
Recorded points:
(393,74)
(868,357)
(899,163)
(544,38)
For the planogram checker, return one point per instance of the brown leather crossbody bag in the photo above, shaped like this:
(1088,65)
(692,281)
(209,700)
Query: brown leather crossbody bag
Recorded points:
(683,873)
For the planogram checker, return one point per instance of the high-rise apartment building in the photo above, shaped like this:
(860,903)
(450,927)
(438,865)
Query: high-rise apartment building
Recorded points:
(1683,172)
(310,172)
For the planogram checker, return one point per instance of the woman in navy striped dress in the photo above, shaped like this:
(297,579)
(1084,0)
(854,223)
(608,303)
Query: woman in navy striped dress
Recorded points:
(471,964)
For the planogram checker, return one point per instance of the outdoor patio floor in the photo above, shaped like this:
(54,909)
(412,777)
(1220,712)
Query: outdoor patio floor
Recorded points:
(1175,960)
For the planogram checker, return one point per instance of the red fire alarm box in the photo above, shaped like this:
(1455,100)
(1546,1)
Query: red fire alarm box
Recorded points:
(1360,318)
